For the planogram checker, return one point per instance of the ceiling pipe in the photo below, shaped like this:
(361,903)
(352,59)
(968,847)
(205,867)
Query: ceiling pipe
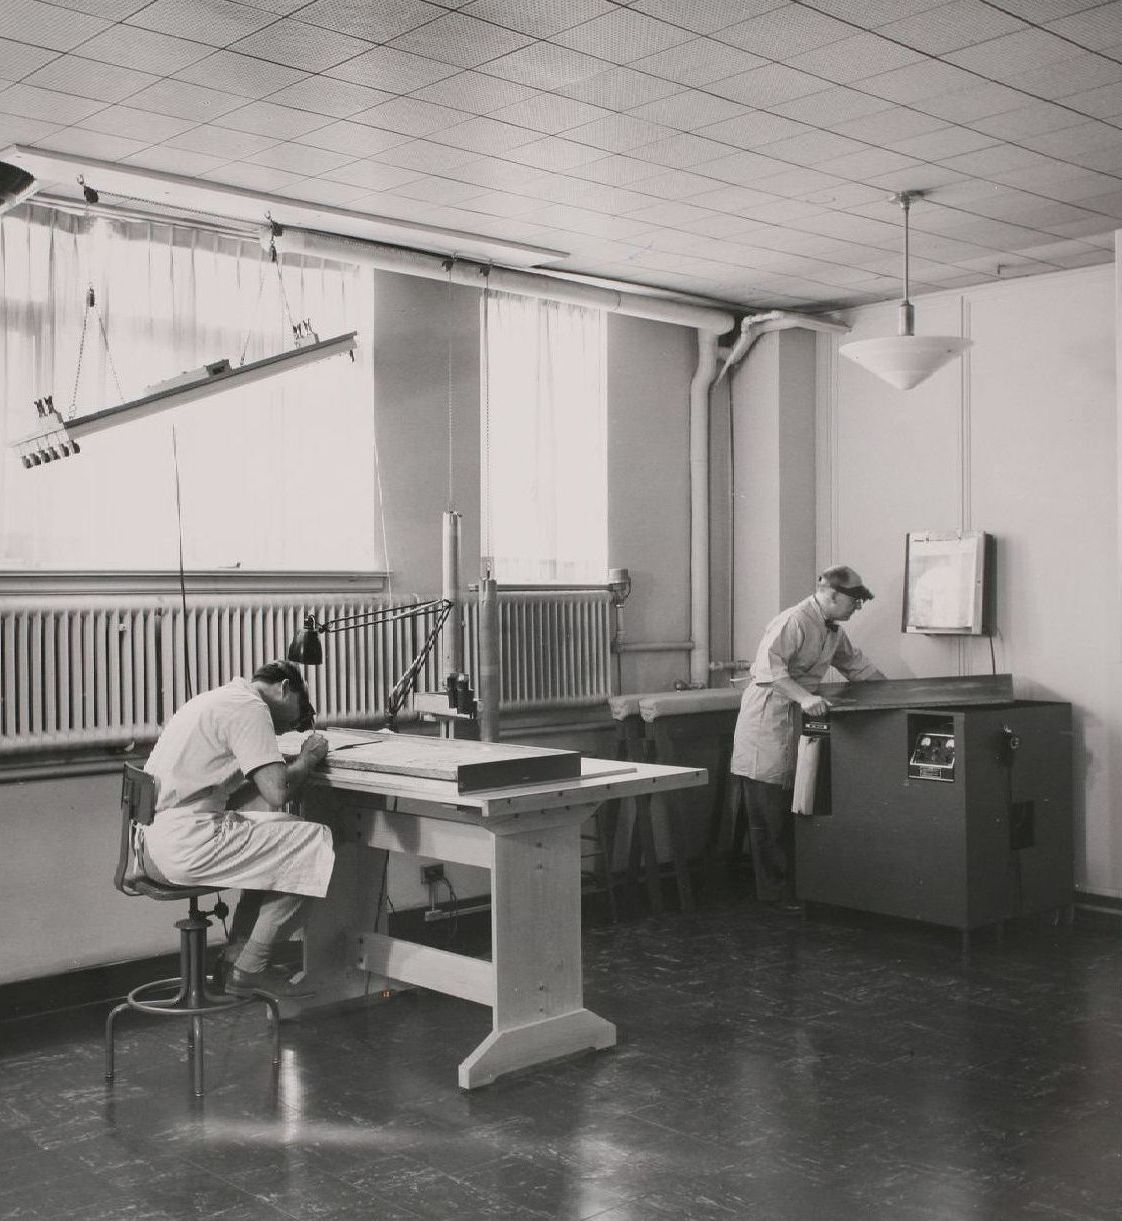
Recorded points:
(752,326)
(474,274)
(704,379)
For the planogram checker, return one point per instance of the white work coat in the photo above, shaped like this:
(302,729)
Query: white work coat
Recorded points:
(204,755)
(797,644)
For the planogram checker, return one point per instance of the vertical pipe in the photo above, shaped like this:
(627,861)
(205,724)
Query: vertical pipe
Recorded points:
(452,637)
(489,679)
(699,506)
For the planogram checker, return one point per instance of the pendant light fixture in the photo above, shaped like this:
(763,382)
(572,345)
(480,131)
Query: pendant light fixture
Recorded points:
(906,359)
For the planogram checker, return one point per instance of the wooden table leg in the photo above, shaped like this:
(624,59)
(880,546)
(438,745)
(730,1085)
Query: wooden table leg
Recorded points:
(538,1012)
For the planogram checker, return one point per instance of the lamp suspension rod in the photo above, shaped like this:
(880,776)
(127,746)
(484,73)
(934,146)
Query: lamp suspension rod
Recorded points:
(907,311)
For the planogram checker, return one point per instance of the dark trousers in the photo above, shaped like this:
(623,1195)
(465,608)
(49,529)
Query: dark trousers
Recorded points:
(771,830)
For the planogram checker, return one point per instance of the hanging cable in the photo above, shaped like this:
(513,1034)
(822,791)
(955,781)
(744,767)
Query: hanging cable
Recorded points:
(488,559)
(182,573)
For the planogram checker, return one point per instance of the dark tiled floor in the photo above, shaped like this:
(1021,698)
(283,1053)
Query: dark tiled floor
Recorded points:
(769,1068)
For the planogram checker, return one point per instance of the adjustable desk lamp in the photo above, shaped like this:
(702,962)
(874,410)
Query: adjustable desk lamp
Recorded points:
(307,649)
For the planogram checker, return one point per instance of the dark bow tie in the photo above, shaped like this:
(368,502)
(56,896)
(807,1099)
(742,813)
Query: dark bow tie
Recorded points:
(831,626)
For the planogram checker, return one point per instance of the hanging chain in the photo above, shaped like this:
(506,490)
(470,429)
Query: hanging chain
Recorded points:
(253,312)
(108,352)
(81,352)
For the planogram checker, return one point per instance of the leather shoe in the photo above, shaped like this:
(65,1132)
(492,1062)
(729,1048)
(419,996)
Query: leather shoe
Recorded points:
(245,983)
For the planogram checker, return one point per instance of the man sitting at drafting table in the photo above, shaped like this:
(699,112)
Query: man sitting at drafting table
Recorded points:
(221,787)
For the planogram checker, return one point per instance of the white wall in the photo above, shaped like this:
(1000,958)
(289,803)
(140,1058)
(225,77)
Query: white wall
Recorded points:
(1018,439)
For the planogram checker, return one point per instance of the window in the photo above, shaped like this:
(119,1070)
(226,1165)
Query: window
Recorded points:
(253,463)
(544,441)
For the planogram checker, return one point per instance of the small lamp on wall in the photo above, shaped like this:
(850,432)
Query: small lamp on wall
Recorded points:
(907,359)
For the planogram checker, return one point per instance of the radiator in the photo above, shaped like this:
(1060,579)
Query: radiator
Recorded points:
(108,672)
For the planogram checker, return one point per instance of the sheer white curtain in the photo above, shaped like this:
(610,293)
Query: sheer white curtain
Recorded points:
(544,463)
(262,468)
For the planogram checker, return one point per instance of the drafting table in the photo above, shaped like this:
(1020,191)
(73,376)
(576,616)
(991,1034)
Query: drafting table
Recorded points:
(528,837)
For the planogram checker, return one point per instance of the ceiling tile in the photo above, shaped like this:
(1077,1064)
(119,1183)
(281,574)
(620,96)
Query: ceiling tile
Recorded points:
(372,175)
(673,184)
(252,177)
(549,113)
(392,70)
(324,191)
(1075,75)
(146,50)
(704,16)
(950,27)
(17,59)
(544,66)
(732,199)
(620,88)
(1096,27)
(15,129)
(743,169)
(372,20)
(309,47)
(874,12)
(281,7)
(831,107)
(1104,102)
(918,81)
(82,143)
(217,22)
(622,36)
(500,175)
(424,155)
(483,135)
(998,159)
(91,79)
(754,128)
(111,10)
(28,102)
(767,86)
(944,143)
(251,78)
(785,31)
(681,151)
(868,162)
(552,153)
(221,142)
(411,116)
(174,161)
(301,159)
(1013,53)
(282,122)
(963,106)
(1036,119)
(439,190)
(45,25)
(618,132)
(813,147)
(499,203)
(355,138)
(615,171)
(459,39)
(185,101)
(474,92)
(887,126)
(855,58)
(698,62)
(327,96)
(135,124)
(799,182)
(689,110)
(539,18)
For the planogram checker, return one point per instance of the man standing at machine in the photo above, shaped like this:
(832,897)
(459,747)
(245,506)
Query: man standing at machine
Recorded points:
(799,645)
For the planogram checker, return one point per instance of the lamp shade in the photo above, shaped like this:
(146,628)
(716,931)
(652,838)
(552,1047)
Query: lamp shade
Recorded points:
(904,361)
(306,647)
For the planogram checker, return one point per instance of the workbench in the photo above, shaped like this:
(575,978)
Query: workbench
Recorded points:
(528,837)
(674,728)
